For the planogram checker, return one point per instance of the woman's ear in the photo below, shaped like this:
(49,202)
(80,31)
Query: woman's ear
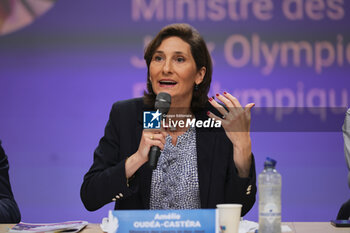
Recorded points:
(200,75)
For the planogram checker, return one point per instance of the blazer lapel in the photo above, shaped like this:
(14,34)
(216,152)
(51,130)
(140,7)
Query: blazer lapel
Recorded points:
(145,172)
(205,139)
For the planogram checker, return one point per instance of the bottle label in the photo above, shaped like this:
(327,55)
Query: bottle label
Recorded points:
(270,212)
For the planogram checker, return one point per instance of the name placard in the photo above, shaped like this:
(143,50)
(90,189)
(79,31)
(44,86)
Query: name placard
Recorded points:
(163,221)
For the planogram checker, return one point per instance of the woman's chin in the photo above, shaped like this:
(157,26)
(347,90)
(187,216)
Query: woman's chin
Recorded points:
(164,91)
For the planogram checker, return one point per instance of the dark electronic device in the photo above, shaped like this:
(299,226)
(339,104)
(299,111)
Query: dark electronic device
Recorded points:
(340,223)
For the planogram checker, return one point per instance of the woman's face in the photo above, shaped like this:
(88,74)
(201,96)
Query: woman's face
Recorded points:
(173,70)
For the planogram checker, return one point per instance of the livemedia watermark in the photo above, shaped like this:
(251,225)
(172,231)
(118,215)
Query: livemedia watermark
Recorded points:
(156,120)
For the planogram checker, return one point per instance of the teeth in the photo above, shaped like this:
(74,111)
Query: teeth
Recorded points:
(167,82)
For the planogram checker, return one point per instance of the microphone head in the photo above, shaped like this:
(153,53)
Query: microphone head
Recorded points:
(163,102)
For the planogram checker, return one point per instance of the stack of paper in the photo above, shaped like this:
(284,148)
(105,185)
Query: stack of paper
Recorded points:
(72,226)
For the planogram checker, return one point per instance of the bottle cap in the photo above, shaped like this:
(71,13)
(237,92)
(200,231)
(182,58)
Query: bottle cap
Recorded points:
(270,163)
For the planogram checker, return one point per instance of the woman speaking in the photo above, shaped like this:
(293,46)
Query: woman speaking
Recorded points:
(198,167)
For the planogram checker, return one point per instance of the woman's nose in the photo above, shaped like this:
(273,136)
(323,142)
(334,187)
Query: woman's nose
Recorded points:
(167,67)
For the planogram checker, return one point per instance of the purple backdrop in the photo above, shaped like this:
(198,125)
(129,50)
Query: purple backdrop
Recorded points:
(61,74)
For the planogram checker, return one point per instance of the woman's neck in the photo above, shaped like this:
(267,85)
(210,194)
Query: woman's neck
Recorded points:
(177,114)
(179,111)
(180,107)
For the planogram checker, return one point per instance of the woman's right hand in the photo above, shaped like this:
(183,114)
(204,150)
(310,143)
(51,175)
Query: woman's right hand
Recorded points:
(149,138)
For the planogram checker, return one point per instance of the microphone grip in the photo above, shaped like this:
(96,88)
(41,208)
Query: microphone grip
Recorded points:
(153,156)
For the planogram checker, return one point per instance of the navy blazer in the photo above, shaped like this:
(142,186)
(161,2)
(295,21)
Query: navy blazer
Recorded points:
(9,212)
(106,180)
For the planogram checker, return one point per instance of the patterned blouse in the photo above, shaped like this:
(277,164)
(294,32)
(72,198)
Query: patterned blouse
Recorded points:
(175,180)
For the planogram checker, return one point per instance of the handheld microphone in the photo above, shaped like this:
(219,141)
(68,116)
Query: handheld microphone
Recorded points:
(163,101)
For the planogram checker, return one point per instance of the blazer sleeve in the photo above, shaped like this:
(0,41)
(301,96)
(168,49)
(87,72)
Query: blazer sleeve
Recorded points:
(241,190)
(106,179)
(9,212)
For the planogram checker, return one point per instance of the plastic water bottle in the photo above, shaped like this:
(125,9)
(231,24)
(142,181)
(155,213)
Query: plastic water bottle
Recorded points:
(269,198)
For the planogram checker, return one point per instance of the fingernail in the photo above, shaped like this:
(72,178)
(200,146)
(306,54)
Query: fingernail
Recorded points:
(208,113)
(210,99)
(217,95)
(225,92)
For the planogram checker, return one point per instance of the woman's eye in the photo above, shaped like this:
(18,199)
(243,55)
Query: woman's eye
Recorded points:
(158,58)
(180,59)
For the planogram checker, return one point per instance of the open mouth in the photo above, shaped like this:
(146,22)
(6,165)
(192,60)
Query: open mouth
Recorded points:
(167,83)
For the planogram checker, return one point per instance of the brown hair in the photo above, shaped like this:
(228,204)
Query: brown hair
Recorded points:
(200,55)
